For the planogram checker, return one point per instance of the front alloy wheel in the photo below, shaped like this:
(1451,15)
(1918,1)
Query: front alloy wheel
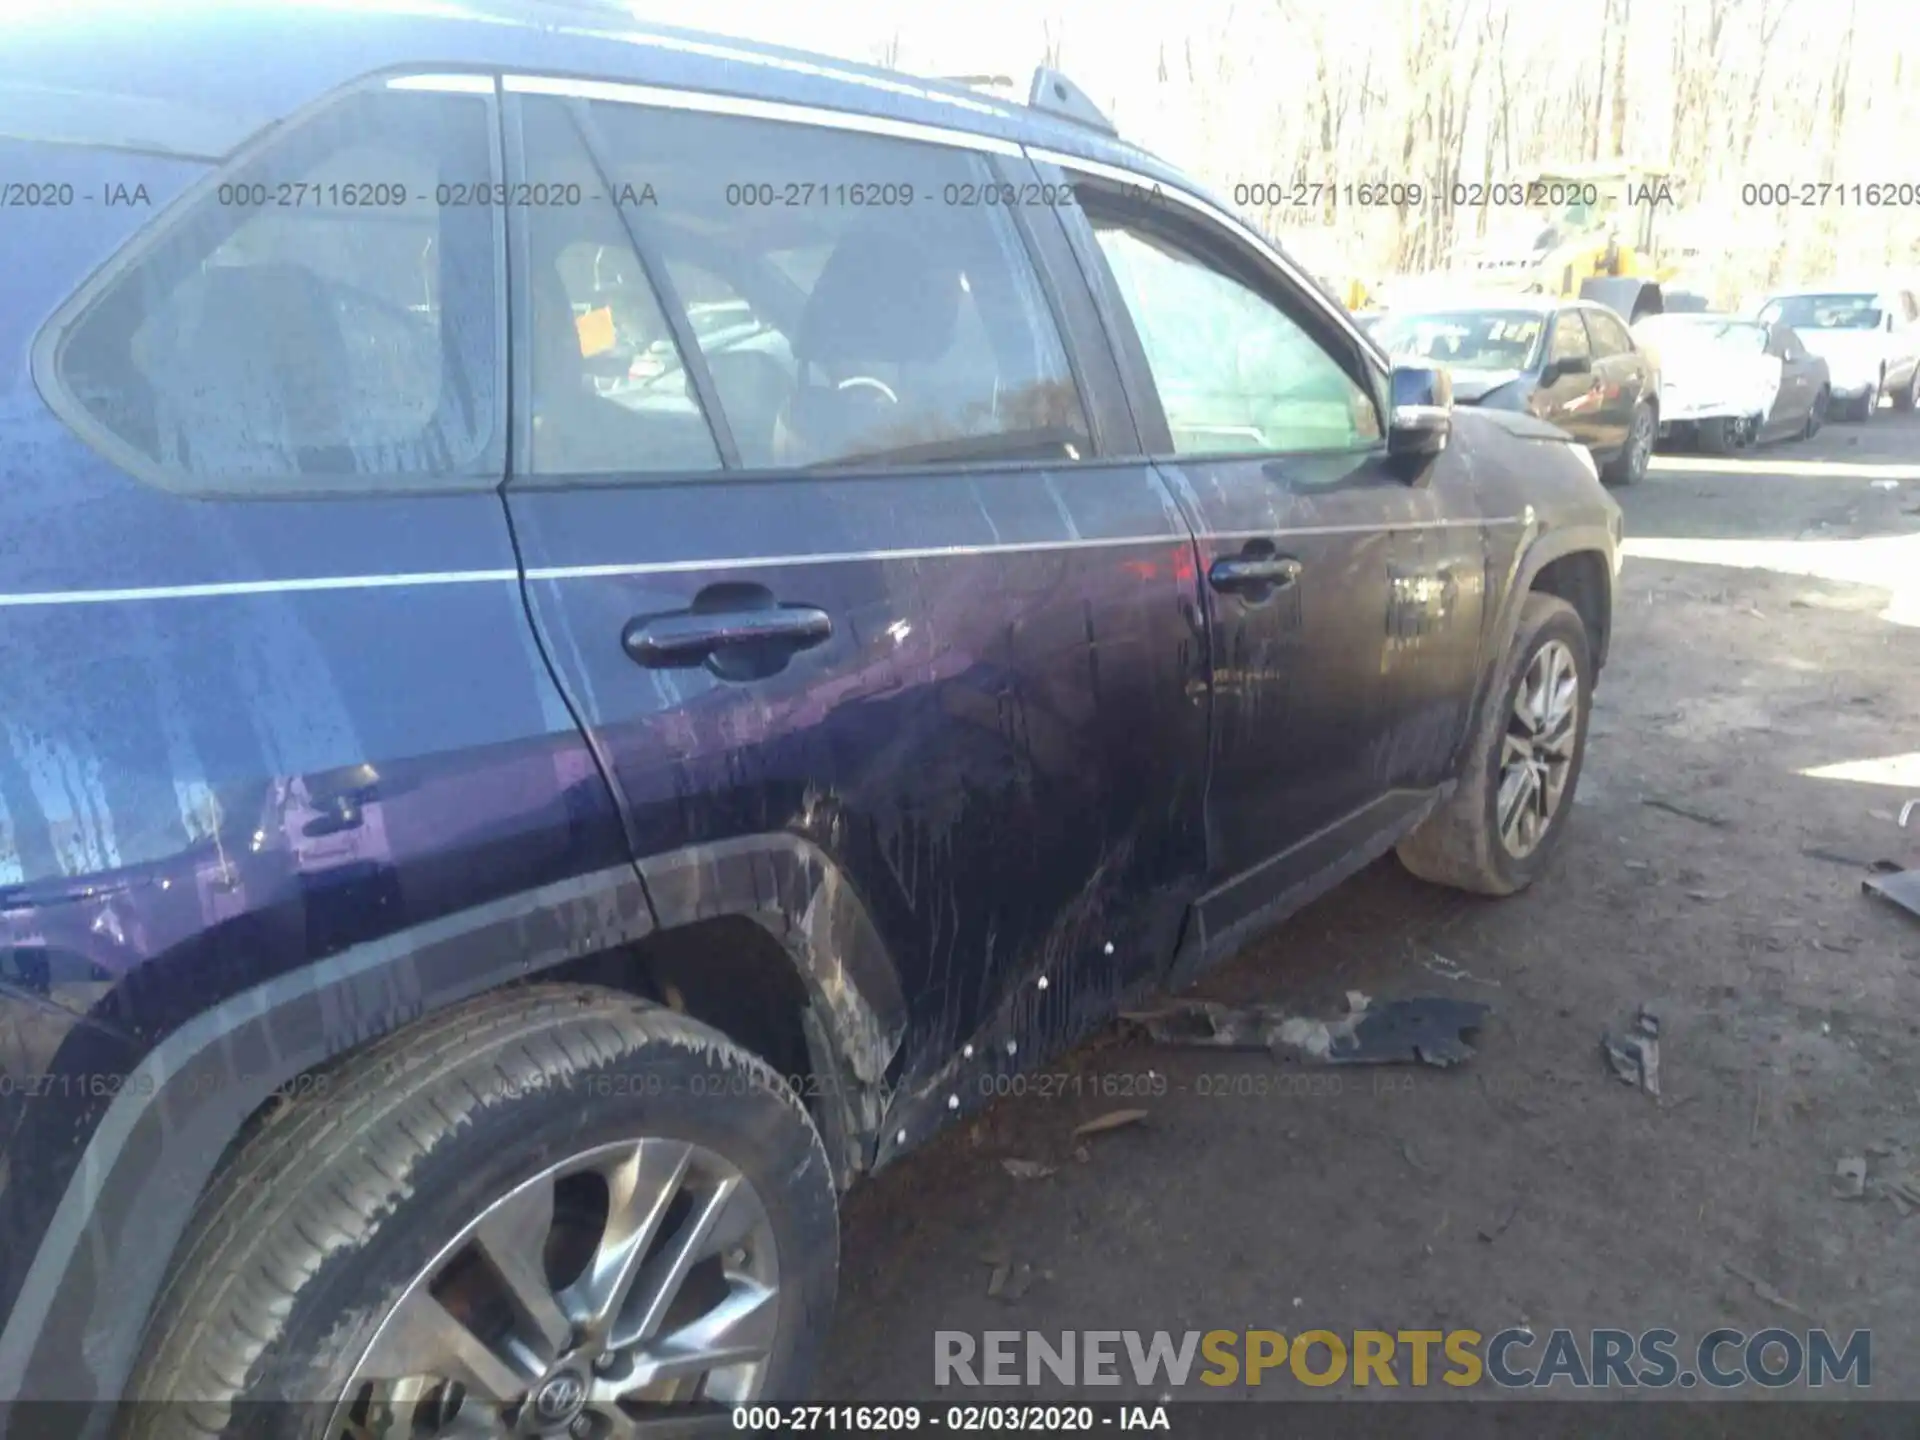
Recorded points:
(1536,754)
(1495,831)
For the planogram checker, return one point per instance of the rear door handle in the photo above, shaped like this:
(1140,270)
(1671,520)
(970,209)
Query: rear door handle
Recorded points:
(1250,572)
(693,637)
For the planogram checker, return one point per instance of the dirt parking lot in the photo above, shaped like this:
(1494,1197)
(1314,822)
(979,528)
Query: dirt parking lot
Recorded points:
(1767,634)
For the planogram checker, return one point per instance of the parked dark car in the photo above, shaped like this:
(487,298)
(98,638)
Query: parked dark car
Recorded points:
(485,862)
(1571,363)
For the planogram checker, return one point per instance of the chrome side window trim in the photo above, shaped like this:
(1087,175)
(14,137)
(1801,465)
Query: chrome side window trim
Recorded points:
(780,111)
(1238,228)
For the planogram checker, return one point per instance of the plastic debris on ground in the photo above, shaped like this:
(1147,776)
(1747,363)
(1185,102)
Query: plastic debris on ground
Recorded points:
(1635,1057)
(1429,1029)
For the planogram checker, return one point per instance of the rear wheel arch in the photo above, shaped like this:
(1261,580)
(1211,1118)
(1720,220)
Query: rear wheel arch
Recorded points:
(199,1092)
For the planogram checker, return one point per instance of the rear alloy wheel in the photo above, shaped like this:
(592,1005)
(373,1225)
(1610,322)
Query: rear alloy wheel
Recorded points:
(1493,834)
(485,1332)
(1630,465)
(1817,416)
(555,1211)
(1717,436)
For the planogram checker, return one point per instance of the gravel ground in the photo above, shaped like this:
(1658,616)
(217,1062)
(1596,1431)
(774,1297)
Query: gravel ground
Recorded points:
(1530,1185)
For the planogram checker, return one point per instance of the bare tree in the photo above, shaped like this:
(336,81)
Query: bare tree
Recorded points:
(1435,92)
(1622,29)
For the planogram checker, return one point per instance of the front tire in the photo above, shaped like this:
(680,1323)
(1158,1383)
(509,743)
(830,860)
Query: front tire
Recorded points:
(1493,835)
(549,1202)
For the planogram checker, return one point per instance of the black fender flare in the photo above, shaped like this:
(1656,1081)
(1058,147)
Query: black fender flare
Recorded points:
(856,1019)
(1539,547)
(75,1327)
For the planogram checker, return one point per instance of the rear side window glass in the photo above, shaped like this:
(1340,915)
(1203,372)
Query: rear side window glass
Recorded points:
(1609,335)
(327,316)
(1569,338)
(847,313)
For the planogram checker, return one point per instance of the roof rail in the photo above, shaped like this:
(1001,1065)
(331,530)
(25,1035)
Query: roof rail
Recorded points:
(1056,95)
(611,9)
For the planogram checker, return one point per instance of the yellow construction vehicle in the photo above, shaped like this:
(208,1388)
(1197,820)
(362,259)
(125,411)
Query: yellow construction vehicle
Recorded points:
(1325,257)
(1579,230)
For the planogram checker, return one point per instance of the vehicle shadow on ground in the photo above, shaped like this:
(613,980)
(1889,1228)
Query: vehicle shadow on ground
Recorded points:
(1849,482)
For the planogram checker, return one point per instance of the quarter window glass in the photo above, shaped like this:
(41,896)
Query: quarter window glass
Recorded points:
(846,313)
(1569,340)
(1609,337)
(1235,374)
(319,320)
(610,391)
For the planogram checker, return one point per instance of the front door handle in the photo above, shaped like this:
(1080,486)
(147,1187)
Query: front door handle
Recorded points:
(693,637)
(1253,572)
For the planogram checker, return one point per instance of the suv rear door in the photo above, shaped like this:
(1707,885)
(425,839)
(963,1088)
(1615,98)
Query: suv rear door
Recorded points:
(825,553)
(1345,602)
(1571,398)
(1621,371)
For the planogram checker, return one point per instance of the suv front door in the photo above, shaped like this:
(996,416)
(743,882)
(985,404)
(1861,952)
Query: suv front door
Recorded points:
(819,542)
(1344,601)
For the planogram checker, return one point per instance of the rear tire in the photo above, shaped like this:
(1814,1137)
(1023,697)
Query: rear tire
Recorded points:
(1630,465)
(1909,398)
(1816,417)
(342,1207)
(1716,436)
(1463,844)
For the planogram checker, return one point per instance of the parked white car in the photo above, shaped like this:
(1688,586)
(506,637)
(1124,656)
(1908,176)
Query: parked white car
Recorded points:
(1728,382)
(1716,380)
(1869,336)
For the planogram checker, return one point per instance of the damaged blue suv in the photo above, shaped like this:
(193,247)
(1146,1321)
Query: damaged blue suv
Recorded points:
(604,628)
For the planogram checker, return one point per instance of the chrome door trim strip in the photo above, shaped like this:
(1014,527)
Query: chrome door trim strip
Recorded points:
(321,583)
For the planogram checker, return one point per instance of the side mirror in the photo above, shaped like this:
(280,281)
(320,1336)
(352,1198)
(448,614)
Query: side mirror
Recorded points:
(1421,418)
(1570,365)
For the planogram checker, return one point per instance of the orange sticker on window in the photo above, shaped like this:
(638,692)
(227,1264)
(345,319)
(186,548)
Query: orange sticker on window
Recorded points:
(596,330)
